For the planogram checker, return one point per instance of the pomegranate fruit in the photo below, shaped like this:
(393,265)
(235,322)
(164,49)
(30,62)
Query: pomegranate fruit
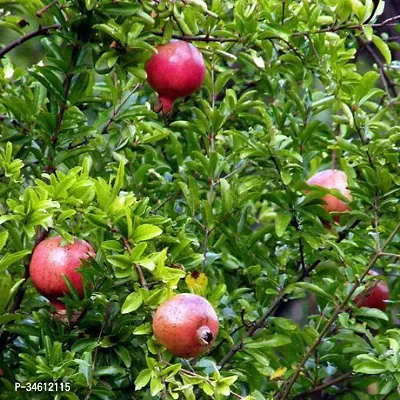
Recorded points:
(177,70)
(332,179)
(186,325)
(50,261)
(375,297)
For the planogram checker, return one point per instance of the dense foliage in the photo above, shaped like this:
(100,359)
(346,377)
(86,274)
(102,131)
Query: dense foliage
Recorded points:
(211,199)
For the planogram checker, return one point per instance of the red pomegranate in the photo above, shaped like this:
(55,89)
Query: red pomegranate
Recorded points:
(177,70)
(332,179)
(375,297)
(186,325)
(50,261)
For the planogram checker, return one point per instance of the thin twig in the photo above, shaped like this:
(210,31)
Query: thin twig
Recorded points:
(387,80)
(210,194)
(206,39)
(106,315)
(332,382)
(139,271)
(46,8)
(164,391)
(390,255)
(259,324)
(67,86)
(42,30)
(117,110)
(387,22)
(386,396)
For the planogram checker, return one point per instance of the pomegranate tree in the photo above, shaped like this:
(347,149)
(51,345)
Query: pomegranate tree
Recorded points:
(50,261)
(375,297)
(177,70)
(186,325)
(332,179)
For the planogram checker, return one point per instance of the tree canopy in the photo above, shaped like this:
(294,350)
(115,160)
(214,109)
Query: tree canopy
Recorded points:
(210,199)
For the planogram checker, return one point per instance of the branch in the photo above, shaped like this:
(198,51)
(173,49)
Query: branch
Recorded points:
(139,271)
(117,110)
(46,8)
(289,384)
(206,39)
(106,315)
(67,86)
(319,388)
(386,22)
(387,81)
(239,346)
(44,30)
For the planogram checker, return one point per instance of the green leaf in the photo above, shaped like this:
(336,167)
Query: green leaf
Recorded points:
(120,261)
(312,288)
(282,221)
(143,329)
(370,367)
(143,379)
(383,48)
(146,232)
(124,355)
(226,196)
(109,370)
(3,239)
(132,303)
(123,8)
(84,344)
(370,313)
(9,259)
(284,324)
(49,80)
(275,340)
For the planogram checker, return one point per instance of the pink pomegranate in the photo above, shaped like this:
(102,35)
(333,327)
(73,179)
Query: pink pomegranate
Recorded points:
(332,179)
(186,325)
(376,297)
(50,261)
(177,70)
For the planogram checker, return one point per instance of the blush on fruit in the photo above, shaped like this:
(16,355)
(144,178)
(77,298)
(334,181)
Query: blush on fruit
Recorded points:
(177,70)
(332,179)
(50,261)
(186,325)
(374,298)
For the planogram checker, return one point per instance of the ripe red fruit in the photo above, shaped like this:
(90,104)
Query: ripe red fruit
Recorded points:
(374,298)
(177,70)
(332,179)
(50,261)
(186,325)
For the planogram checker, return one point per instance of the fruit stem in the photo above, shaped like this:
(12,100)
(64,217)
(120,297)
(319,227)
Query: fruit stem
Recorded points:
(60,307)
(164,105)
